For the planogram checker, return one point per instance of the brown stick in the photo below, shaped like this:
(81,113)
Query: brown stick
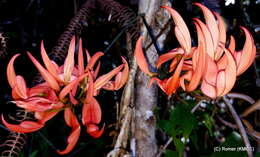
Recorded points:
(240,126)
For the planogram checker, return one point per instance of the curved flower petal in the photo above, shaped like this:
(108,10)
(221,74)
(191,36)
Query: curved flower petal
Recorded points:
(91,112)
(48,63)
(93,60)
(33,106)
(39,89)
(120,81)
(72,99)
(181,29)
(110,85)
(199,68)
(168,56)
(211,71)
(120,78)
(23,127)
(207,36)
(20,87)
(70,86)
(232,45)
(80,59)
(173,82)
(11,76)
(43,117)
(95,74)
(221,82)
(211,24)
(230,72)
(208,89)
(140,58)
(94,131)
(45,74)
(71,121)
(88,55)
(222,35)
(90,91)
(102,80)
(69,61)
(186,76)
(248,53)
(161,83)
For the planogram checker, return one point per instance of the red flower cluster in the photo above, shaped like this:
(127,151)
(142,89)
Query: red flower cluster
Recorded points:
(65,88)
(209,63)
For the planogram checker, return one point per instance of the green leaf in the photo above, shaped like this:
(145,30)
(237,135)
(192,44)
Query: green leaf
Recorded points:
(166,125)
(208,121)
(194,140)
(184,121)
(179,146)
(170,153)
(33,154)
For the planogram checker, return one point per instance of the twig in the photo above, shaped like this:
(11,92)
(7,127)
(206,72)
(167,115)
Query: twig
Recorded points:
(122,137)
(240,126)
(241,96)
(233,126)
(164,147)
(121,32)
(249,127)
(150,32)
(196,106)
(251,109)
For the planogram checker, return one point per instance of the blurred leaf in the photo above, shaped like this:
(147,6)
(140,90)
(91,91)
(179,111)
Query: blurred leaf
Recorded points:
(170,153)
(194,140)
(183,120)
(179,146)
(166,125)
(33,154)
(208,123)
(21,154)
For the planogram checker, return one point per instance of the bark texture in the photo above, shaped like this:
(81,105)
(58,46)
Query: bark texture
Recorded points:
(146,98)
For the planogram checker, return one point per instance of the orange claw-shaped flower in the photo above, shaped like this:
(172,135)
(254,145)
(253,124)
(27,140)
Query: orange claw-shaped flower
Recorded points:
(210,63)
(120,78)
(103,80)
(91,116)
(140,58)
(65,87)
(168,85)
(180,59)
(91,112)
(30,99)
(222,64)
(181,30)
(63,74)
(245,57)
(71,121)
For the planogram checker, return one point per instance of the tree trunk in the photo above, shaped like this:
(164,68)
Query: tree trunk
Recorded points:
(146,98)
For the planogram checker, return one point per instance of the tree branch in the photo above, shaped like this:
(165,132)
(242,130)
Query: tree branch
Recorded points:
(240,126)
